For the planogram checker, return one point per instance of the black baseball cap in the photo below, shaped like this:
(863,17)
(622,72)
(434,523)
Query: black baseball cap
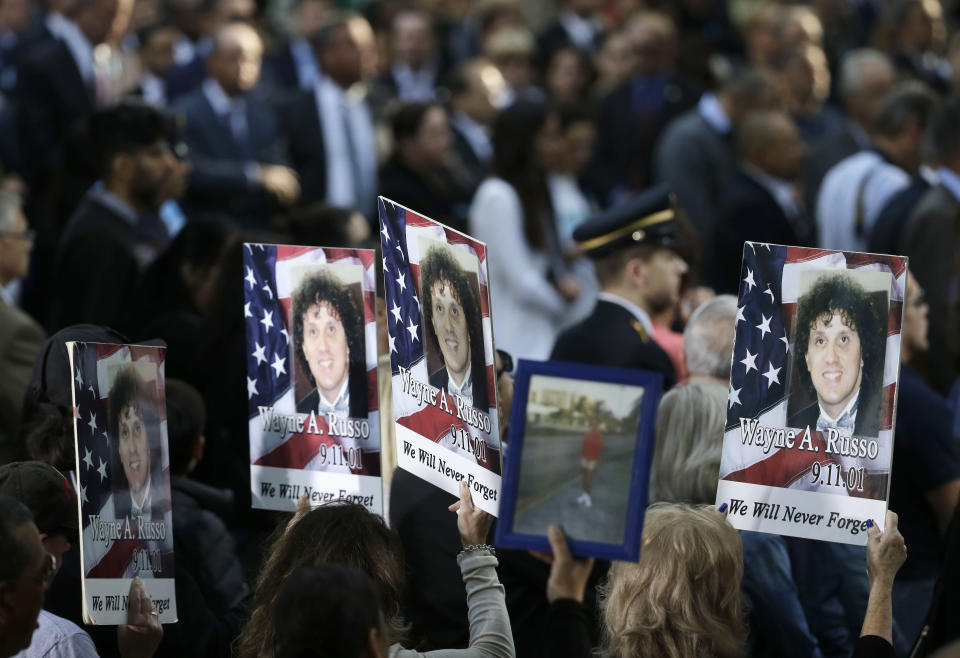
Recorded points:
(46,492)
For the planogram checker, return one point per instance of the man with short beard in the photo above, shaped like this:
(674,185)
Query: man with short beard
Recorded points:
(101,252)
(640,272)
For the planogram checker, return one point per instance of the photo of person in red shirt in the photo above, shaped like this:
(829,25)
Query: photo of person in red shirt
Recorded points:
(589,458)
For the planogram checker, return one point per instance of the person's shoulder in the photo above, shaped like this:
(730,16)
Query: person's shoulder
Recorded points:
(309,403)
(56,636)
(494,186)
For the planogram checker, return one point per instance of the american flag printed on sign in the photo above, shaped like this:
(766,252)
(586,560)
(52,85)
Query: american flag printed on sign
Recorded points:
(271,276)
(111,559)
(401,233)
(762,362)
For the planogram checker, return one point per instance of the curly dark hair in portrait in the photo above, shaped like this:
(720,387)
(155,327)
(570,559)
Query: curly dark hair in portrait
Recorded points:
(128,390)
(345,534)
(841,295)
(323,287)
(439,266)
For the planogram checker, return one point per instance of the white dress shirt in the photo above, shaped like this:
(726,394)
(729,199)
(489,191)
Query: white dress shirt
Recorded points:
(465,390)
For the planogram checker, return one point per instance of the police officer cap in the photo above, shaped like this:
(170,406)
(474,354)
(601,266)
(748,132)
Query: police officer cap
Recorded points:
(647,218)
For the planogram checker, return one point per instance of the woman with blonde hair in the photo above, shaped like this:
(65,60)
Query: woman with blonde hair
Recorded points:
(682,600)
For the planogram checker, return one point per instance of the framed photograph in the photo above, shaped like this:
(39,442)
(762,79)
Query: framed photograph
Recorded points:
(441,352)
(123,477)
(311,362)
(581,445)
(809,433)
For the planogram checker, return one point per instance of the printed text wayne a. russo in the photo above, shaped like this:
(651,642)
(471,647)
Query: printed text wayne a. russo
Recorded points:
(768,438)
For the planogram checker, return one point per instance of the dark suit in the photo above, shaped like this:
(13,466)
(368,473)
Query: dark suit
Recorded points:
(280,69)
(612,336)
(96,269)
(312,403)
(185,78)
(301,121)
(822,157)
(468,163)
(749,213)
(556,37)
(54,101)
(931,239)
(628,128)
(218,180)
(887,234)
(868,410)
(441,378)
(21,340)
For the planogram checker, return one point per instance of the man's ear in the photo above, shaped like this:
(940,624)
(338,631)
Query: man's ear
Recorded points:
(120,166)
(636,271)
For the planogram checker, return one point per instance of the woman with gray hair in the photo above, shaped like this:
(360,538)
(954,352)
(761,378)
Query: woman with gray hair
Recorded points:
(689,440)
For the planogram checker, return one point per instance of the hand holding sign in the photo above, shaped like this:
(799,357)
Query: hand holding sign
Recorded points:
(472,522)
(141,635)
(886,551)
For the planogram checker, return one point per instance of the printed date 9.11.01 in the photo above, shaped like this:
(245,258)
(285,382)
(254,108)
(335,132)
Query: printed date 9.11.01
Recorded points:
(833,475)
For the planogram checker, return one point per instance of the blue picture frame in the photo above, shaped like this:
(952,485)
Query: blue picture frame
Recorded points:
(652,384)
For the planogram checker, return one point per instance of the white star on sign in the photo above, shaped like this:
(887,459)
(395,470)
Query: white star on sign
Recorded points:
(771,375)
(749,280)
(734,396)
(412,328)
(396,312)
(246,311)
(385,268)
(769,292)
(764,326)
(87,457)
(393,343)
(79,378)
(266,289)
(258,354)
(267,320)
(740,315)
(102,470)
(786,342)
(250,278)
(92,392)
(399,248)
(83,494)
(93,423)
(400,282)
(278,366)
(252,388)
(286,336)
(750,362)
(383,230)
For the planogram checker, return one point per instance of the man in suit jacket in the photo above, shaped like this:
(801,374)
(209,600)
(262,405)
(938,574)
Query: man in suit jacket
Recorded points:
(931,238)
(331,133)
(695,155)
(328,338)
(840,342)
(20,336)
(633,249)
(293,66)
(415,63)
(239,155)
(761,203)
(101,253)
(156,54)
(632,116)
(575,26)
(451,311)
(474,87)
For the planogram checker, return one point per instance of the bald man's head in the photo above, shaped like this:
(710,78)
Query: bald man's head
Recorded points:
(236,57)
(769,141)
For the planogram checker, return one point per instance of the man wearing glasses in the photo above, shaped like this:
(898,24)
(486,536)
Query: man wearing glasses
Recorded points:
(21,338)
(38,522)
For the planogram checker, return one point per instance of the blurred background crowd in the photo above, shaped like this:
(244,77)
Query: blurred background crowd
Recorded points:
(142,142)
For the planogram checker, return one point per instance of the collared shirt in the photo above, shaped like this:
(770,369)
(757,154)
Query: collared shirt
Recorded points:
(143,509)
(415,85)
(340,406)
(305,63)
(476,135)
(635,310)
(154,91)
(713,113)
(580,30)
(465,390)
(348,156)
(851,197)
(845,422)
(76,42)
(10,293)
(233,109)
(782,191)
(123,209)
(56,636)
(950,180)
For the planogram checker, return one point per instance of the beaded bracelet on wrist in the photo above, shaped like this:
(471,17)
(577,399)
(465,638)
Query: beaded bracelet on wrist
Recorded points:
(473,548)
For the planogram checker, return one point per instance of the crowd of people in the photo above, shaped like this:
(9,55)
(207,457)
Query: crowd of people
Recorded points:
(614,155)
